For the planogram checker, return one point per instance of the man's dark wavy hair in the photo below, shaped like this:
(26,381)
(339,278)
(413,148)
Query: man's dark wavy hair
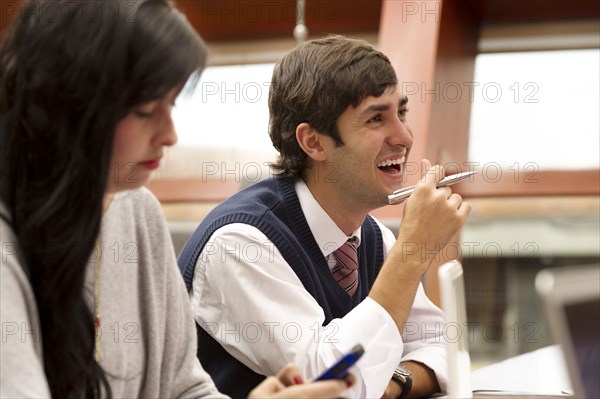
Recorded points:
(315,83)
(69,71)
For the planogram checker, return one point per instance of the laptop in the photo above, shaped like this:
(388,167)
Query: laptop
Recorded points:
(571,298)
(452,291)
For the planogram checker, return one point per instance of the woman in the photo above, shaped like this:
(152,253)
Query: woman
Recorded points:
(92,301)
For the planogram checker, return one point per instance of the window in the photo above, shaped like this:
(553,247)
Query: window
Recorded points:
(537,107)
(223,127)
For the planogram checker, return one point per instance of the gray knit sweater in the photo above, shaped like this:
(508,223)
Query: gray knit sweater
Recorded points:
(148,341)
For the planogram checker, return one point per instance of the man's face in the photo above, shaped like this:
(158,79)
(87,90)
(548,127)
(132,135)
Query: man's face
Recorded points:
(370,165)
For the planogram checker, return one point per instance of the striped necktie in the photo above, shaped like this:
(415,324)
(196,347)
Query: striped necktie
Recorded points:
(345,272)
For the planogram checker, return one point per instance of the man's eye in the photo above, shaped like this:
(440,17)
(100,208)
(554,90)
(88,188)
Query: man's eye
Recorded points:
(403,112)
(376,118)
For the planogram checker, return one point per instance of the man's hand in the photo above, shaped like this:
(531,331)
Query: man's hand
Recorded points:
(392,391)
(432,216)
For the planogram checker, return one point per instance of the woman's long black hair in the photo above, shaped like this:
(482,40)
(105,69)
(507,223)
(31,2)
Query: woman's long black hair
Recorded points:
(69,71)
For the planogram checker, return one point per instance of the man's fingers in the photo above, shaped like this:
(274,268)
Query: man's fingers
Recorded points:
(426,165)
(433,175)
(446,191)
(464,209)
(455,200)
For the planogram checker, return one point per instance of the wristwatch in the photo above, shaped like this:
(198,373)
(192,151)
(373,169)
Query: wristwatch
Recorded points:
(404,377)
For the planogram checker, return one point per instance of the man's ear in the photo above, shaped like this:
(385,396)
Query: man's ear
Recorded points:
(310,141)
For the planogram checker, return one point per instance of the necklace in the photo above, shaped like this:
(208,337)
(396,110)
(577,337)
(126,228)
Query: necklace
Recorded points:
(97,304)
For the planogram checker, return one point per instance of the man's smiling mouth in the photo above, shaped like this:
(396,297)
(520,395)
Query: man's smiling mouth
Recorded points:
(392,166)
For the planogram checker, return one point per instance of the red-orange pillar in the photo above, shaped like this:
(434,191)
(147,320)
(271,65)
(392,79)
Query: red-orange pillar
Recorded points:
(432,45)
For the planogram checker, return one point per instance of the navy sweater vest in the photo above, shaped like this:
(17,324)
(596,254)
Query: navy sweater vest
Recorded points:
(272,206)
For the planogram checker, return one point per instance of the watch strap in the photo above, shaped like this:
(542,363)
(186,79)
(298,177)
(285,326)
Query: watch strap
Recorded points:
(404,377)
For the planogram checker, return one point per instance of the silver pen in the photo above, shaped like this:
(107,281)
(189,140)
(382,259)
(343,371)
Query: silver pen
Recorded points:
(399,196)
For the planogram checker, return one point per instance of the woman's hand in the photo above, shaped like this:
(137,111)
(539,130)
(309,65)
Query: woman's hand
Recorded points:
(289,384)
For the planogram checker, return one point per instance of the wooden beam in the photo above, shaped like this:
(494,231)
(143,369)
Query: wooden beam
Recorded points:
(8,11)
(432,45)
(241,20)
(506,184)
(533,183)
(192,190)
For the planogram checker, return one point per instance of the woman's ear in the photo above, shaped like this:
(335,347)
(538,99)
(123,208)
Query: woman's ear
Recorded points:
(310,141)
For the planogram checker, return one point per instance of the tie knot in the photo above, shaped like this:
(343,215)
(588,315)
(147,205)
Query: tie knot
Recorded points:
(353,242)
(347,254)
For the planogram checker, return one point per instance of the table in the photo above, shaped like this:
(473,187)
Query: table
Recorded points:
(541,373)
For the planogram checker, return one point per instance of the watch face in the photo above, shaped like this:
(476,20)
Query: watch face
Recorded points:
(400,377)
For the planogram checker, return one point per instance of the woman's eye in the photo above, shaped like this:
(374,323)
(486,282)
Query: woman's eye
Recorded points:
(145,110)
(142,114)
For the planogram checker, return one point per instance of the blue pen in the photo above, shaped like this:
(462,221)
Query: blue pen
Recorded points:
(340,369)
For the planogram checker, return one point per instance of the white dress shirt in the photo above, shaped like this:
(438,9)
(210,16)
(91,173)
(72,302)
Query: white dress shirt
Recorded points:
(247,297)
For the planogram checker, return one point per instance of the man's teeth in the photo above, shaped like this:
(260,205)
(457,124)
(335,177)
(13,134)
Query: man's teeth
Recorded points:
(391,162)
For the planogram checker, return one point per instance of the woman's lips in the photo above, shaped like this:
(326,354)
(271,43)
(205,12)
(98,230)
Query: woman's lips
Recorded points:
(152,164)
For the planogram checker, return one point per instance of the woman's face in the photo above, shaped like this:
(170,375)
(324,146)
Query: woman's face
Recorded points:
(139,140)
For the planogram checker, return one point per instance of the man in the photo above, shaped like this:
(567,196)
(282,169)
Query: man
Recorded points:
(294,269)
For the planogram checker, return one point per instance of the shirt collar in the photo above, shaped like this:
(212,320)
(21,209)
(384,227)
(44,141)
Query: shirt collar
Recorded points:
(327,234)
